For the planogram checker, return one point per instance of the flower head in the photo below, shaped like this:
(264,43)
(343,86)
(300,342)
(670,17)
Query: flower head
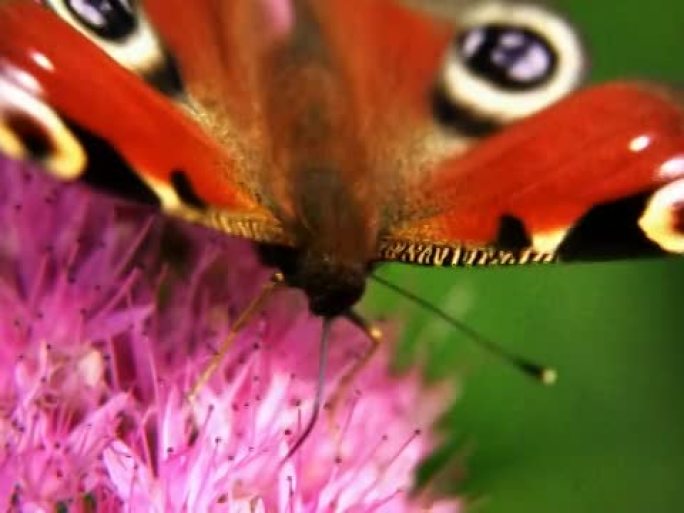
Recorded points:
(109,313)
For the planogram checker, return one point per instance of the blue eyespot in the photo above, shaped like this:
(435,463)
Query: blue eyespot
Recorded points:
(109,19)
(510,57)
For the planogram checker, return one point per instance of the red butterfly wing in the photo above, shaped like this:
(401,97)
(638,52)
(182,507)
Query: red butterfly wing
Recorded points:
(93,116)
(599,175)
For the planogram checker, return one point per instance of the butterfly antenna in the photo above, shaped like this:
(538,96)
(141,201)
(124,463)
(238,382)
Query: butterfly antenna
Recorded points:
(320,384)
(545,375)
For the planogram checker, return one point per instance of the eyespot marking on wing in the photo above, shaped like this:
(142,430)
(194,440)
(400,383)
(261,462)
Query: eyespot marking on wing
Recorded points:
(459,117)
(663,218)
(166,77)
(10,144)
(32,137)
(122,29)
(509,61)
(32,130)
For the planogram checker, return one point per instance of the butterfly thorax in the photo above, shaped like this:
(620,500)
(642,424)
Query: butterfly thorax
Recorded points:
(335,240)
(318,170)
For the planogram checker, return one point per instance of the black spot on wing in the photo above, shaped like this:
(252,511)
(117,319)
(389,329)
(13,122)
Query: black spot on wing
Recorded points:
(107,170)
(166,77)
(610,231)
(184,189)
(458,117)
(512,234)
(35,139)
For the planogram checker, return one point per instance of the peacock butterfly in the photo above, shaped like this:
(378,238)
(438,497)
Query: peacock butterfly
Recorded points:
(342,134)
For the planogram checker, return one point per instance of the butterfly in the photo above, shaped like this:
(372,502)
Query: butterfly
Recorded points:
(341,134)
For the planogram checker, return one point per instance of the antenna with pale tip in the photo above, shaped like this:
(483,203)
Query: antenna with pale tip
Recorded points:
(542,374)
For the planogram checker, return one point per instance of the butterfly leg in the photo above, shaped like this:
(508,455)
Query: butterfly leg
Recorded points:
(375,337)
(245,316)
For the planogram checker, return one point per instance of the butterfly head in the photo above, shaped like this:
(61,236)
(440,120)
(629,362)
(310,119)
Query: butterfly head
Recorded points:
(331,285)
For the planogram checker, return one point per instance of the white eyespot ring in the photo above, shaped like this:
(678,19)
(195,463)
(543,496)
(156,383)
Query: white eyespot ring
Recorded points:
(511,61)
(135,47)
(663,218)
(24,117)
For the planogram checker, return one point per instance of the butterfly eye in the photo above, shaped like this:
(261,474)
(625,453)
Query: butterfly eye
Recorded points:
(121,29)
(109,19)
(508,61)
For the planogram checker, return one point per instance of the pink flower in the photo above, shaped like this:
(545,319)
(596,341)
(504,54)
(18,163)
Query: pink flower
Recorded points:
(108,313)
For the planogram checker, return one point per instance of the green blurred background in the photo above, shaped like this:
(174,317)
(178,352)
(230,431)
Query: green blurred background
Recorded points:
(609,436)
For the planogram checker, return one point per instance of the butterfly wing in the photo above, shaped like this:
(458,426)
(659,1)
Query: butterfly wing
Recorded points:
(67,104)
(599,175)
(560,184)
